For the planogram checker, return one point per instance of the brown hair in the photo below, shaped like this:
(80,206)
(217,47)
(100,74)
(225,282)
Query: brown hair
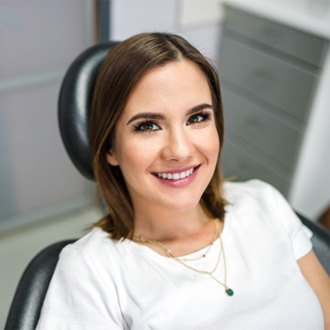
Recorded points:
(123,67)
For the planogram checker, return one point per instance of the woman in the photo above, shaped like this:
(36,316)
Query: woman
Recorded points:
(179,249)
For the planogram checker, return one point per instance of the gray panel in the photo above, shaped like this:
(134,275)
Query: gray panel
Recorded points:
(239,165)
(279,83)
(307,47)
(262,130)
(7,191)
(103,23)
(40,36)
(44,178)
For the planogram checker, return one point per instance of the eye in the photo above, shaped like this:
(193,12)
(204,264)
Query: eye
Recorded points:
(146,127)
(199,118)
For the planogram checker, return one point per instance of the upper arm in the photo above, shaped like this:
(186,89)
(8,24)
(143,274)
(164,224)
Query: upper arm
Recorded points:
(301,244)
(318,280)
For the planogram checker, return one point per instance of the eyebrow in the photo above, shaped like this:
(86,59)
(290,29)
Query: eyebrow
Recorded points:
(154,115)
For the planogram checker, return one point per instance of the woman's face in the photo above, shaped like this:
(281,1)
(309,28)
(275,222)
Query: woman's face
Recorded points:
(166,141)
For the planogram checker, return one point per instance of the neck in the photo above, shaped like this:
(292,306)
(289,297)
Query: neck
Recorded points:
(170,225)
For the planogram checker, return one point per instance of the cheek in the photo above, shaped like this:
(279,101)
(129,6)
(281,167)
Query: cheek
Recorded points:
(212,151)
(210,144)
(136,154)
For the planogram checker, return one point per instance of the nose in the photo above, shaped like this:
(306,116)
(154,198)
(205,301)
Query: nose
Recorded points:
(178,146)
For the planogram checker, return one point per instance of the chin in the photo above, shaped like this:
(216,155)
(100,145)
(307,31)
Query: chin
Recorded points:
(182,205)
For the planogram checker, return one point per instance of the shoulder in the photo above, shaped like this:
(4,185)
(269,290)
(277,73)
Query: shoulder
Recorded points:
(95,252)
(248,193)
(259,205)
(252,202)
(256,197)
(94,242)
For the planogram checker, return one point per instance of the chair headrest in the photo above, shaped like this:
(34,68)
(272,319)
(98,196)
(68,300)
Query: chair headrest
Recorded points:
(74,105)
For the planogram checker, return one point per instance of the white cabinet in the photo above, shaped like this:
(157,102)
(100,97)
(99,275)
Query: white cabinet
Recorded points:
(270,72)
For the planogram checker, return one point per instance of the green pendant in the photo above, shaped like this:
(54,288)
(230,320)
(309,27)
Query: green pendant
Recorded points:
(230,292)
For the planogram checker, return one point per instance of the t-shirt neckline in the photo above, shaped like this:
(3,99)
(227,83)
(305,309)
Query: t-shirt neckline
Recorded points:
(147,251)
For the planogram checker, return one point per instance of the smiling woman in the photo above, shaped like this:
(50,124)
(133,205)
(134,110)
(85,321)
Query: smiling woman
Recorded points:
(171,92)
(169,236)
(164,146)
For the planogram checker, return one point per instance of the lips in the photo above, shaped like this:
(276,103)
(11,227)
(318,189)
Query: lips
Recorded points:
(176,175)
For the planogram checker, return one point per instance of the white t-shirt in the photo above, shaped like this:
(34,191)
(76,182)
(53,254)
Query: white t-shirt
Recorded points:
(104,284)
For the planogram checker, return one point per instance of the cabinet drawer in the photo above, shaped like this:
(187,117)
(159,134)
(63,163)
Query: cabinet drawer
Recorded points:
(261,129)
(302,45)
(279,83)
(240,165)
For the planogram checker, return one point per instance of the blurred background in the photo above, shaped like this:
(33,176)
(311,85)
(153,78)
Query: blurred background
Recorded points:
(273,59)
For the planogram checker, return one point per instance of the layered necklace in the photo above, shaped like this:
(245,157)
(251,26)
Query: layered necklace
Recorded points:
(184,261)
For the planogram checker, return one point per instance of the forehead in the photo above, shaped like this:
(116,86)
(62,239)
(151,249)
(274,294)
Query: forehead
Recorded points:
(176,85)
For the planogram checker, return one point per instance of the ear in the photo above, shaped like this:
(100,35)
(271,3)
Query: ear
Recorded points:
(111,158)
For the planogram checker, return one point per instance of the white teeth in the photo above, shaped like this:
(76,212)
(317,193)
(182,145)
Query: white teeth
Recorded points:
(176,176)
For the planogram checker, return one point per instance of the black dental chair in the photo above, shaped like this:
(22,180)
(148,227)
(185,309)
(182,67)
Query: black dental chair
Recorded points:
(74,106)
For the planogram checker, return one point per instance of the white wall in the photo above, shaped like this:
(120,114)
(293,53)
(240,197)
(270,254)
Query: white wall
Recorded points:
(196,20)
(311,188)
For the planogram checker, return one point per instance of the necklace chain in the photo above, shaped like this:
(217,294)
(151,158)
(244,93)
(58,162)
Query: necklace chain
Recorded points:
(216,235)
(183,261)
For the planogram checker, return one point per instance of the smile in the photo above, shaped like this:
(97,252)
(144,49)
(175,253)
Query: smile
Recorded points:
(176,175)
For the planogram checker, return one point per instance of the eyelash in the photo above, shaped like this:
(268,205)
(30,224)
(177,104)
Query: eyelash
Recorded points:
(142,127)
(148,126)
(206,116)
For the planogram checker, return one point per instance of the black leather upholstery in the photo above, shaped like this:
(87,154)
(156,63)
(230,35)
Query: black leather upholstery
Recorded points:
(30,293)
(74,105)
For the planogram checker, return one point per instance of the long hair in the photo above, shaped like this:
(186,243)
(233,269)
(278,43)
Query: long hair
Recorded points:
(121,70)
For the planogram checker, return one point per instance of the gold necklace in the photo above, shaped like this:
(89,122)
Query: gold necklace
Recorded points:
(168,253)
(215,236)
